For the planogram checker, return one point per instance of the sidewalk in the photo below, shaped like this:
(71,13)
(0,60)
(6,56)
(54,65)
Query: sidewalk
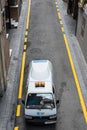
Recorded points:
(8,102)
(78,58)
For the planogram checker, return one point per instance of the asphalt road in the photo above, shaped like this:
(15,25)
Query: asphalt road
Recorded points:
(45,41)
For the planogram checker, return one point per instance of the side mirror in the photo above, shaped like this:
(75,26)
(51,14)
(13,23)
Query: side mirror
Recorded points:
(23,102)
(57,101)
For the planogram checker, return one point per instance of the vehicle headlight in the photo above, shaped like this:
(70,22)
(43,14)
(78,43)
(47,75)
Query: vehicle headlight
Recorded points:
(53,116)
(28,117)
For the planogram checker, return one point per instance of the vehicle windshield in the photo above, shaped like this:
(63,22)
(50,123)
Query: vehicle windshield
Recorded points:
(40,101)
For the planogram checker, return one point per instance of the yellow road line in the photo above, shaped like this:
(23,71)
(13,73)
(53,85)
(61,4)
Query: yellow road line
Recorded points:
(25,47)
(16,128)
(56,6)
(25,39)
(76,79)
(59,15)
(61,22)
(28,16)
(74,73)
(55,2)
(26,33)
(22,75)
(24,54)
(18,110)
(57,10)
(62,28)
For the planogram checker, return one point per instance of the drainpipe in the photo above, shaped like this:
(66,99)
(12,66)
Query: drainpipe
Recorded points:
(76,26)
(76,18)
(9,16)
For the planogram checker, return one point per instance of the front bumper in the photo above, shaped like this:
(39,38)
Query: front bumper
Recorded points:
(41,120)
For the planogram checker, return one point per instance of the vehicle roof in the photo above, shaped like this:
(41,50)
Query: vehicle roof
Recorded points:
(46,89)
(40,70)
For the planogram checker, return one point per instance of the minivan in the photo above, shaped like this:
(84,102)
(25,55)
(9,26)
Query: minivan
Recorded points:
(40,102)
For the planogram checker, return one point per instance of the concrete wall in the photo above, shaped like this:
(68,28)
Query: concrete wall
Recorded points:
(82,31)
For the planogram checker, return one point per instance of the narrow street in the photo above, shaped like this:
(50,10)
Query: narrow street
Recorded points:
(45,41)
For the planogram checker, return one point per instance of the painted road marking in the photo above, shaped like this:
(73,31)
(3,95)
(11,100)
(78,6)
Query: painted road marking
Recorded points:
(28,16)
(26,33)
(56,6)
(57,10)
(56,3)
(16,128)
(59,15)
(82,102)
(23,64)
(25,39)
(22,75)
(76,79)
(18,110)
(24,54)
(25,47)
(61,22)
(62,28)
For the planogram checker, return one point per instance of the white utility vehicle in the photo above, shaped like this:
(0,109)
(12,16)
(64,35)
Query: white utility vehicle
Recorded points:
(40,103)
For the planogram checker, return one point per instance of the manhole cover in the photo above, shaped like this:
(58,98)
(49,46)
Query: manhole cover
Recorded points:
(35,50)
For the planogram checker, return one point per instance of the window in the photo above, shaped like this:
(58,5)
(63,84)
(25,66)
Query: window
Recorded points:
(40,101)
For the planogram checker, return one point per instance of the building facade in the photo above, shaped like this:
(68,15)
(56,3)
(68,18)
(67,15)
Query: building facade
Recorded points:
(72,8)
(13,8)
(82,26)
(4,49)
(9,16)
(78,10)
